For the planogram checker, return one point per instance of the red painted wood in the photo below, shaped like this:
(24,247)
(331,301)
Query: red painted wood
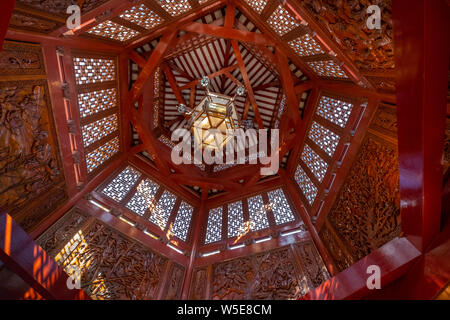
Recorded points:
(5,16)
(421,59)
(202,212)
(393,258)
(151,64)
(24,257)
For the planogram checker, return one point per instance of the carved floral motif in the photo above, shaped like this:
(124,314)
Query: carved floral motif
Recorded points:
(28,154)
(346,20)
(366,213)
(18,58)
(30,22)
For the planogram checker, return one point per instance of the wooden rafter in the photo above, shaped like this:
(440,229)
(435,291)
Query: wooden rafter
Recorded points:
(248,86)
(173,84)
(220,72)
(288,86)
(151,64)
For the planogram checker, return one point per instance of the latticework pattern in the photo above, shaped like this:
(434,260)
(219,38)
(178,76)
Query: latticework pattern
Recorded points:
(327,140)
(93,70)
(257,5)
(143,197)
(94,102)
(142,16)
(308,188)
(281,21)
(306,46)
(327,68)
(257,213)
(235,218)
(180,228)
(119,187)
(114,31)
(334,110)
(160,214)
(281,209)
(314,162)
(99,129)
(98,156)
(175,7)
(214,227)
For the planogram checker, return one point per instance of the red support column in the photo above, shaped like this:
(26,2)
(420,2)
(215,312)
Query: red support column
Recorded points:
(421,59)
(5,16)
(29,261)
(195,244)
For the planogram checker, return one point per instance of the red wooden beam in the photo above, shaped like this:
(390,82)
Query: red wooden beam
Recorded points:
(248,86)
(393,259)
(151,64)
(199,220)
(210,76)
(5,16)
(173,84)
(421,60)
(228,33)
(28,260)
(288,86)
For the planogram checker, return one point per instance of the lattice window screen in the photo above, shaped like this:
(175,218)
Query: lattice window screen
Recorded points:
(314,162)
(143,197)
(97,157)
(257,213)
(327,68)
(281,21)
(334,110)
(326,139)
(235,218)
(119,187)
(214,227)
(280,207)
(113,31)
(257,5)
(182,221)
(175,7)
(142,16)
(99,129)
(308,188)
(93,70)
(306,46)
(160,214)
(94,102)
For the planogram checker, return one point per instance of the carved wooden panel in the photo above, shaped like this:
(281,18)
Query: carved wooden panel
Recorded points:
(29,160)
(112,265)
(17,58)
(174,283)
(198,284)
(385,120)
(366,214)
(30,22)
(346,23)
(59,7)
(273,274)
(341,258)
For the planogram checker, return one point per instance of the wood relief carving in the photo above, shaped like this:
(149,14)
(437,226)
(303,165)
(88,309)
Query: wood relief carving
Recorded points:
(112,265)
(269,275)
(199,283)
(59,7)
(341,259)
(366,214)
(312,264)
(29,163)
(29,22)
(174,283)
(346,22)
(385,120)
(19,58)
(60,233)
